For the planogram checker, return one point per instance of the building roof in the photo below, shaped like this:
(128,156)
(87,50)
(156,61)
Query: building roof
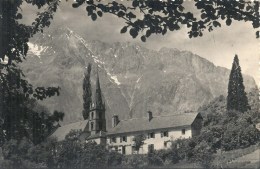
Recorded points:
(158,122)
(62,131)
(97,135)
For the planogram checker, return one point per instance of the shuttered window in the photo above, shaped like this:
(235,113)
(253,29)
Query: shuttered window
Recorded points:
(183,131)
(164,134)
(151,135)
(124,138)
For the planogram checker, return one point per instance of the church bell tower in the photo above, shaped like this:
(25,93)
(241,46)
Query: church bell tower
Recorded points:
(97,119)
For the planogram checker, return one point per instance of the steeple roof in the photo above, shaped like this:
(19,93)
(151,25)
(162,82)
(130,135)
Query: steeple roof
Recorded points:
(98,97)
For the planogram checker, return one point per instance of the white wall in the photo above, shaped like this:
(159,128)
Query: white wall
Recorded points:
(158,141)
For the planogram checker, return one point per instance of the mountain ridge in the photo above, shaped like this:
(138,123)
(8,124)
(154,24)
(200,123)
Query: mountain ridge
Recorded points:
(134,79)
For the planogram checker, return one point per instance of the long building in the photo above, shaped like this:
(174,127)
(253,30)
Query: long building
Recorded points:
(157,132)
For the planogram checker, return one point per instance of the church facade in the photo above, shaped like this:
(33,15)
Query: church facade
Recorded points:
(157,132)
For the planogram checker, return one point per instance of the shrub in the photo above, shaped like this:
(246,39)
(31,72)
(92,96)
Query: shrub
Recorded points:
(114,159)
(135,161)
(154,159)
(168,155)
(203,154)
(139,141)
(16,153)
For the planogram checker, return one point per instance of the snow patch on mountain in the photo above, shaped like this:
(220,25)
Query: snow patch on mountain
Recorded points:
(113,78)
(139,79)
(36,49)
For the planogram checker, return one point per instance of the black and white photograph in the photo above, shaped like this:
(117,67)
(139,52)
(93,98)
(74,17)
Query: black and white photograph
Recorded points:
(165,84)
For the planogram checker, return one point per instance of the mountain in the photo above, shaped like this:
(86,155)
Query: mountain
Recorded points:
(133,79)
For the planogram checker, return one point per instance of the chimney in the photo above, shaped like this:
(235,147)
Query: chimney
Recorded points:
(150,115)
(115,120)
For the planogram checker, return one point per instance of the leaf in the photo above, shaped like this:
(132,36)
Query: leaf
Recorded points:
(120,14)
(99,13)
(216,24)
(248,8)
(90,2)
(94,16)
(19,16)
(181,8)
(124,29)
(257,34)
(176,26)
(143,38)
(75,5)
(90,10)
(133,32)
(164,31)
(203,16)
(131,15)
(148,33)
(195,34)
(135,3)
(228,21)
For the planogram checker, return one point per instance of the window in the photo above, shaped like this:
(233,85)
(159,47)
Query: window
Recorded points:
(113,139)
(116,148)
(92,125)
(124,138)
(100,125)
(164,134)
(123,150)
(151,135)
(183,131)
(150,148)
(165,144)
(92,115)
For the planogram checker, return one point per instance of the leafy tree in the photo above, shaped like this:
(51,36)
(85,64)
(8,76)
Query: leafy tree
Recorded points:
(15,92)
(236,99)
(87,93)
(114,159)
(141,17)
(42,124)
(158,17)
(135,161)
(44,153)
(169,155)
(71,153)
(14,34)
(203,154)
(139,141)
(18,117)
(154,159)
(15,154)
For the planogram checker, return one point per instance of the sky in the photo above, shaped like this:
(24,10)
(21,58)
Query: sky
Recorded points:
(219,46)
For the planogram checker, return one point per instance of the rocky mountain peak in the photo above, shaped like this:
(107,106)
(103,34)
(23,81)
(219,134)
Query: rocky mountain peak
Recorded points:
(133,79)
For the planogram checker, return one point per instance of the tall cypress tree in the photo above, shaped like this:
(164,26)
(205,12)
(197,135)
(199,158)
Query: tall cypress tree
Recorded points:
(87,93)
(236,99)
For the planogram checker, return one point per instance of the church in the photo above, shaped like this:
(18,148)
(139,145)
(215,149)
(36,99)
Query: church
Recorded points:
(157,131)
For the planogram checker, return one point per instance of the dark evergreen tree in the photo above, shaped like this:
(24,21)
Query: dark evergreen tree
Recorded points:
(87,93)
(237,98)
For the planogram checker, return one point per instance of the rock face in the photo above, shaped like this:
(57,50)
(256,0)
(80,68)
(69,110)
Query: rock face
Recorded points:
(133,79)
